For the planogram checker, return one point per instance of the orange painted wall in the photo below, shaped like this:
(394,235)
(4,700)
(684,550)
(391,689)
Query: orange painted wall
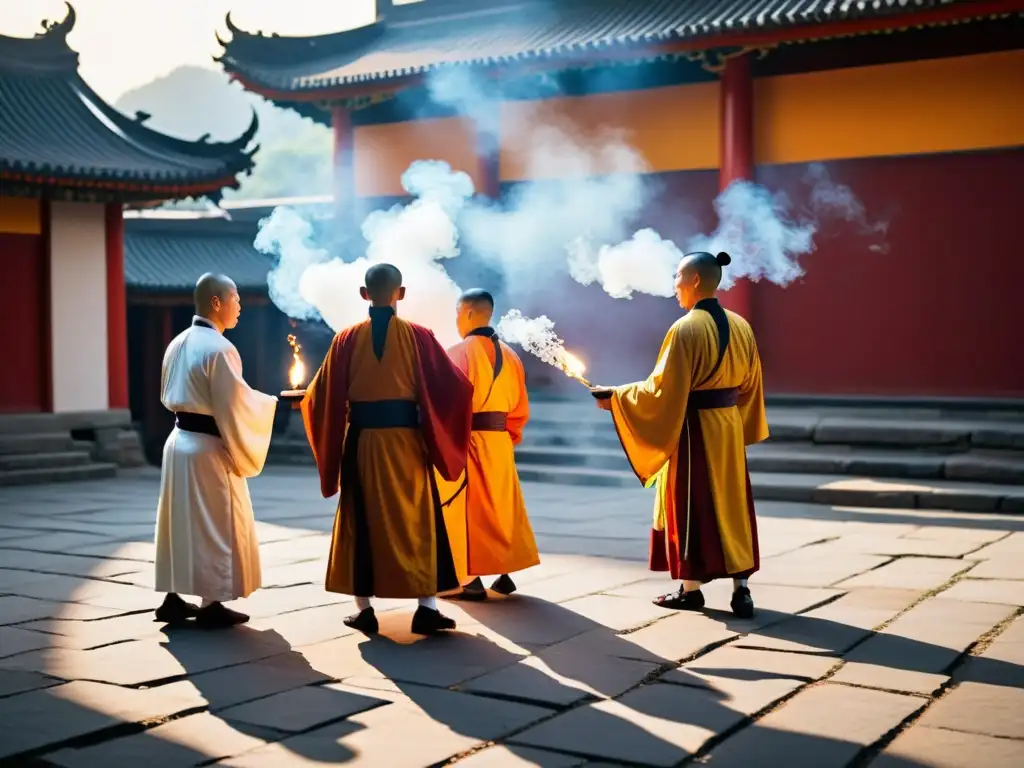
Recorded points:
(20,216)
(673,128)
(939,105)
(383,152)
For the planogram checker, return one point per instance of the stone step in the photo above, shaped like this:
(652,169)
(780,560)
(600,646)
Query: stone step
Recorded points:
(833,490)
(42,442)
(993,467)
(93,471)
(950,436)
(17,461)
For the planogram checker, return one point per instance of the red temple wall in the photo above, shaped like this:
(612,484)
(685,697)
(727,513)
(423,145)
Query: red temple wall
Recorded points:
(938,314)
(24,351)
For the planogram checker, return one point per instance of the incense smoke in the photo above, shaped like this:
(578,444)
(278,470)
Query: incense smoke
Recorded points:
(755,226)
(535,335)
(413,237)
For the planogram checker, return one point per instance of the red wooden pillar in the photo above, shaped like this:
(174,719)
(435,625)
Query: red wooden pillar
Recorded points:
(736,97)
(488,152)
(117,310)
(46,307)
(344,157)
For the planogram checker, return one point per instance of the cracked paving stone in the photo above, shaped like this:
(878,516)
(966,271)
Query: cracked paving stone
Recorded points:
(562,677)
(520,757)
(652,725)
(17,681)
(40,718)
(913,653)
(921,573)
(986,591)
(805,568)
(253,680)
(938,748)
(834,628)
(618,613)
(992,710)
(428,727)
(190,740)
(1006,568)
(15,640)
(301,709)
(1002,662)
(823,725)
(15,610)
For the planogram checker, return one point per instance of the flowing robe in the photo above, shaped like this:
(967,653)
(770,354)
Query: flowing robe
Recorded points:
(386,407)
(487,524)
(686,428)
(206,541)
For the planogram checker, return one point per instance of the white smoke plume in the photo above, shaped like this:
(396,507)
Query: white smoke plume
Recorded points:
(413,237)
(756,227)
(534,334)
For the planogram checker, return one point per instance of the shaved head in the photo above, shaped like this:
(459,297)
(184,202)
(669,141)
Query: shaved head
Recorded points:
(473,310)
(209,287)
(480,300)
(383,282)
(698,276)
(216,298)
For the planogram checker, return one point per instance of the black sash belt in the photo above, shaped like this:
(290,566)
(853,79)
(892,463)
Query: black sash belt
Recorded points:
(489,421)
(707,399)
(196,422)
(384,414)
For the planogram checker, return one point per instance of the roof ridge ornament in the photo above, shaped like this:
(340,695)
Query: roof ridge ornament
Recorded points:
(59,30)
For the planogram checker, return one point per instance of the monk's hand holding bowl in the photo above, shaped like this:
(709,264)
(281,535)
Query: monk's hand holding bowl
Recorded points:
(603,395)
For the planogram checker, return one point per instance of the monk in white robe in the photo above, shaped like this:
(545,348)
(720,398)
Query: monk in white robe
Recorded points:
(206,535)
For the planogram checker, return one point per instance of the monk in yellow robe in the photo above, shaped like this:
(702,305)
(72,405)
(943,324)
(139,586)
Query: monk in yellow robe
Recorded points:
(686,429)
(485,514)
(386,408)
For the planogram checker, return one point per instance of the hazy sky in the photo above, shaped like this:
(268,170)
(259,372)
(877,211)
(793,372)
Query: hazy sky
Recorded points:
(126,43)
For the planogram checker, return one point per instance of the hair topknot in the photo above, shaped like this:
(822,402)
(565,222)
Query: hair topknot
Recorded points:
(723,259)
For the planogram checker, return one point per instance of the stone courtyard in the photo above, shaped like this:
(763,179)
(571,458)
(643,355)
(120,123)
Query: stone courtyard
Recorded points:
(885,637)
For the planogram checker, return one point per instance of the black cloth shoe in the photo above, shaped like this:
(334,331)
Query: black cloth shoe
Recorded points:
(681,601)
(427,621)
(504,585)
(174,610)
(217,616)
(472,592)
(742,603)
(365,621)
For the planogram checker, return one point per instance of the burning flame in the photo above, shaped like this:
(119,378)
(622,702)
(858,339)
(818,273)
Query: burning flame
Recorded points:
(572,366)
(297,372)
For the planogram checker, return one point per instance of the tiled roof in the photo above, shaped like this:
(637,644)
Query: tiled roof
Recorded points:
(57,133)
(170,254)
(416,38)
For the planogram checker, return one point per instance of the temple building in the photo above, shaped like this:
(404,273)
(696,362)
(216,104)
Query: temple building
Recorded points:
(68,164)
(909,103)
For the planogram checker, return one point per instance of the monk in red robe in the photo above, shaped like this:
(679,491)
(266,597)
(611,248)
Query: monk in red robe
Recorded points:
(685,430)
(386,409)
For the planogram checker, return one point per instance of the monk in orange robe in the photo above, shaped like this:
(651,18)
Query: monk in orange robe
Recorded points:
(386,409)
(485,514)
(685,430)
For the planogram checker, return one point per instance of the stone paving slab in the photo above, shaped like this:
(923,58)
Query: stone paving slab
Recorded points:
(938,748)
(824,725)
(993,710)
(585,669)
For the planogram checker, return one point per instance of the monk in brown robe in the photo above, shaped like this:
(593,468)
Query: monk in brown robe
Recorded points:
(486,517)
(685,430)
(386,409)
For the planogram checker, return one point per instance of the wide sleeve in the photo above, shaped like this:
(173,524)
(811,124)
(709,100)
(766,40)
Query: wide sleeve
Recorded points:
(751,402)
(649,414)
(245,417)
(325,413)
(446,405)
(519,414)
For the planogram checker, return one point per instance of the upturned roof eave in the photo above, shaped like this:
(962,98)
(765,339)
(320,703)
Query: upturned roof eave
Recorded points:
(314,87)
